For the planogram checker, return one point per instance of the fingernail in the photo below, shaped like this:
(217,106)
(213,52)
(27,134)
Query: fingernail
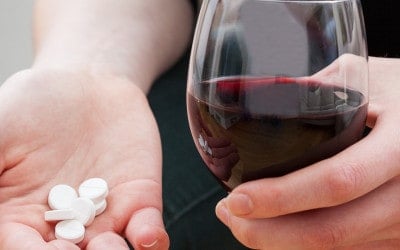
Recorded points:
(150,245)
(222,212)
(240,204)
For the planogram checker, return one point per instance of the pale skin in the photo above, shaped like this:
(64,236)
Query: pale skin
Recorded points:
(349,201)
(81,111)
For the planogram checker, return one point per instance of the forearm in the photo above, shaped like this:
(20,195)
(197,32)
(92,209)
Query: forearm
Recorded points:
(136,39)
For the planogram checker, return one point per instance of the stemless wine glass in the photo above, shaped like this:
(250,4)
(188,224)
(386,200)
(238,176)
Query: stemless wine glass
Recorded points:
(276,85)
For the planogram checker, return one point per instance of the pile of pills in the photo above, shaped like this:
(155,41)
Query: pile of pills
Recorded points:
(75,210)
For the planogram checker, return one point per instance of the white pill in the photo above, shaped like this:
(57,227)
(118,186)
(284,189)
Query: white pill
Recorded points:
(100,207)
(59,214)
(61,196)
(84,210)
(95,189)
(70,230)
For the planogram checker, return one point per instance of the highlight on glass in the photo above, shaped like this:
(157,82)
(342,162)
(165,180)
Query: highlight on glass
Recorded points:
(276,85)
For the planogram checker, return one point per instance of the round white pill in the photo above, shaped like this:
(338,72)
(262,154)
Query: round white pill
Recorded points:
(84,210)
(60,214)
(100,207)
(95,189)
(61,196)
(70,230)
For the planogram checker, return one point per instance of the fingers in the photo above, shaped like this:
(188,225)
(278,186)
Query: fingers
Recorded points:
(19,236)
(381,244)
(61,244)
(344,177)
(223,152)
(219,143)
(222,156)
(134,210)
(369,218)
(391,233)
(106,241)
(146,230)
(222,166)
(144,226)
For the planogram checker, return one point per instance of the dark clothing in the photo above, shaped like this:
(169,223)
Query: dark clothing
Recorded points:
(190,193)
(382,26)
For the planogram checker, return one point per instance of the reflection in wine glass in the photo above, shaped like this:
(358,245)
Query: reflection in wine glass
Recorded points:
(278,84)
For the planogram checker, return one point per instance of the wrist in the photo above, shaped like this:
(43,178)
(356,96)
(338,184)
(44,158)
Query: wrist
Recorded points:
(97,72)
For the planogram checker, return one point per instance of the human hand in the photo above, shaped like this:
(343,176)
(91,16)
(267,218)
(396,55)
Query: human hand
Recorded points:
(218,152)
(60,127)
(220,155)
(349,201)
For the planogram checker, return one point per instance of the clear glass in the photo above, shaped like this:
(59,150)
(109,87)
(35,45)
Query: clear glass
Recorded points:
(274,86)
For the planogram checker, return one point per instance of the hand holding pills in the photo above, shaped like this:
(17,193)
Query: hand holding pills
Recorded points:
(63,127)
(75,212)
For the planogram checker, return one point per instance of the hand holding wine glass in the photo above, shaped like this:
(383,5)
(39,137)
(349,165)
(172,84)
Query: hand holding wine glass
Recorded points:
(345,200)
(219,152)
(349,201)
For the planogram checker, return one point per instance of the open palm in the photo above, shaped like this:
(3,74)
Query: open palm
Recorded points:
(61,127)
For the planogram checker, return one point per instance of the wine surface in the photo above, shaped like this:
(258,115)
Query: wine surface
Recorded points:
(249,128)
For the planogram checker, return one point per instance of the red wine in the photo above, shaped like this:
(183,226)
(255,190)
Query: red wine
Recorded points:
(250,128)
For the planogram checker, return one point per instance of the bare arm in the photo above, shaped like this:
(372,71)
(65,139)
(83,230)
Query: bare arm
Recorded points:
(130,38)
(81,111)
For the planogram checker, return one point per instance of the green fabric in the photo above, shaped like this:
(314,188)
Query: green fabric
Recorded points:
(190,192)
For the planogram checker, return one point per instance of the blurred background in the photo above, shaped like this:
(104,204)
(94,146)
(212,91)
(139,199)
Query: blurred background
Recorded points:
(15,36)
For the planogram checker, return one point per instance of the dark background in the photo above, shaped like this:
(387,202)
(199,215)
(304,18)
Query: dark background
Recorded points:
(382,26)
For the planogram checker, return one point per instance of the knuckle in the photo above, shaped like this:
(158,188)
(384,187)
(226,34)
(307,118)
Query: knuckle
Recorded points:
(281,206)
(323,237)
(276,200)
(344,182)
